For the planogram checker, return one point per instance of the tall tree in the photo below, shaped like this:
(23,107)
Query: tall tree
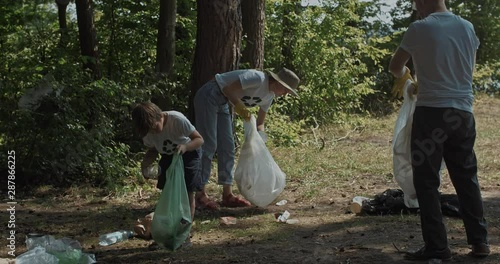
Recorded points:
(165,52)
(88,39)
(63,25)
(218,40)
(291,15)
(253,20)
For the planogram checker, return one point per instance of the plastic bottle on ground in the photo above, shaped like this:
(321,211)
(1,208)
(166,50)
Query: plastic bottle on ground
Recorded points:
(115,237)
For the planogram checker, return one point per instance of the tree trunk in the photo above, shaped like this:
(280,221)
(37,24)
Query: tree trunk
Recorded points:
(165,51)
(253,17)
(88,39)
(291,8)
(63,25)
(218,40)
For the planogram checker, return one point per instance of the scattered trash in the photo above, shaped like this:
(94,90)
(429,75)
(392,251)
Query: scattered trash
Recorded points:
(115,237)
(152,171)
(227,220)
(48,250)
(391,201)
(205,222)
(357,204)
(37,255)
(292,221)
(142,227)
(282,202)
(283,217)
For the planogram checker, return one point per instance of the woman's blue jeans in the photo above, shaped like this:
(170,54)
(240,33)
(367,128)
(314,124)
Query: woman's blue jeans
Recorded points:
(214,123)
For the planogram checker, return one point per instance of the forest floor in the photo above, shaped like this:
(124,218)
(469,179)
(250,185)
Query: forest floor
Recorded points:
(320,186)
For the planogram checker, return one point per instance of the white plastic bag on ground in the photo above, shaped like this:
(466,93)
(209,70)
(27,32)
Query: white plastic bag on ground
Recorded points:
(258,177)
(401,147)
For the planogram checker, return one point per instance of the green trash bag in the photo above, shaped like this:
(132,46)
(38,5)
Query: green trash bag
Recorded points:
(172,219)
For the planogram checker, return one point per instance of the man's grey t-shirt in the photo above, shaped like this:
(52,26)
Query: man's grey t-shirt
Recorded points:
(443,48)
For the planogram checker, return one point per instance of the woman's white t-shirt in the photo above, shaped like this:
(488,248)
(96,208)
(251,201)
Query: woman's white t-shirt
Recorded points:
(255,85)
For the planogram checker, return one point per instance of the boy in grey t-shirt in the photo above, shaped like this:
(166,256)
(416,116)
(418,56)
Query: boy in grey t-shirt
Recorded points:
(166,133)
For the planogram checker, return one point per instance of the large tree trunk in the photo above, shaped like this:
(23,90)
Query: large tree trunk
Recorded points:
(63,25)
(88,39)
(253,18)
(218,41)
(165,51)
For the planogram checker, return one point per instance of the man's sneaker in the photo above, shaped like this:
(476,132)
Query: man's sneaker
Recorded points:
(423,254)
(480,250)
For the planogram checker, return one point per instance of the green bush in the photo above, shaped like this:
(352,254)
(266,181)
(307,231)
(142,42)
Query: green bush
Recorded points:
(487,78)
(77,133)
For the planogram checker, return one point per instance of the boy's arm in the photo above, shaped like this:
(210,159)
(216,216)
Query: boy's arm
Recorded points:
(196,142)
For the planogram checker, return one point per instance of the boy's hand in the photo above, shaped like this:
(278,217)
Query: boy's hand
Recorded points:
(242,111)
(399,83)
(181,149)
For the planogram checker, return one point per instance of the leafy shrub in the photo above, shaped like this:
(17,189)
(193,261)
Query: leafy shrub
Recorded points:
(487,78)
(76,134)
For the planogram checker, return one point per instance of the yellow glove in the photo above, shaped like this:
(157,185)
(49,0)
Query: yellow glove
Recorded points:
(399,83)
(242,111)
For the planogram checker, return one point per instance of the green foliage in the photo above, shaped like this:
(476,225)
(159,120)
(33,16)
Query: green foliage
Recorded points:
(331,57)
(80,131)
(72,136)
(487,78)
(483,14)
(282,131)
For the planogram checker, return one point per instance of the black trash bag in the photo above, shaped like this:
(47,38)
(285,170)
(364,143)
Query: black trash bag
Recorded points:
(391,201)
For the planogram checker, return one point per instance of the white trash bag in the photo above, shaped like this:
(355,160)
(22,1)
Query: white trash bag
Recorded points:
(401,147)
(258,177)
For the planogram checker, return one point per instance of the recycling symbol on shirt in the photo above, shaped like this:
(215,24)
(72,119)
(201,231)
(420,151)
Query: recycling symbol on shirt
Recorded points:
(249,101)
(169,147)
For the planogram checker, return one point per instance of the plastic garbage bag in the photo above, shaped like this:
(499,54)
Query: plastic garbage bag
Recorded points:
(47,249)
(172,217)
(401,147)
(37,255)
(258,177)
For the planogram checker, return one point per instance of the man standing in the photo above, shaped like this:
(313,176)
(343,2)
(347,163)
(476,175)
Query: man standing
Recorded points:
(443,48)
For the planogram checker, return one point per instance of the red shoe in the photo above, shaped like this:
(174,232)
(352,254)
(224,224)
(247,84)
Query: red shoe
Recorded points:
(206,203)
(235,201)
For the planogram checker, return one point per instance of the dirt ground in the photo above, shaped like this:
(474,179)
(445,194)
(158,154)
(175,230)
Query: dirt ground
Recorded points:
(326,232)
